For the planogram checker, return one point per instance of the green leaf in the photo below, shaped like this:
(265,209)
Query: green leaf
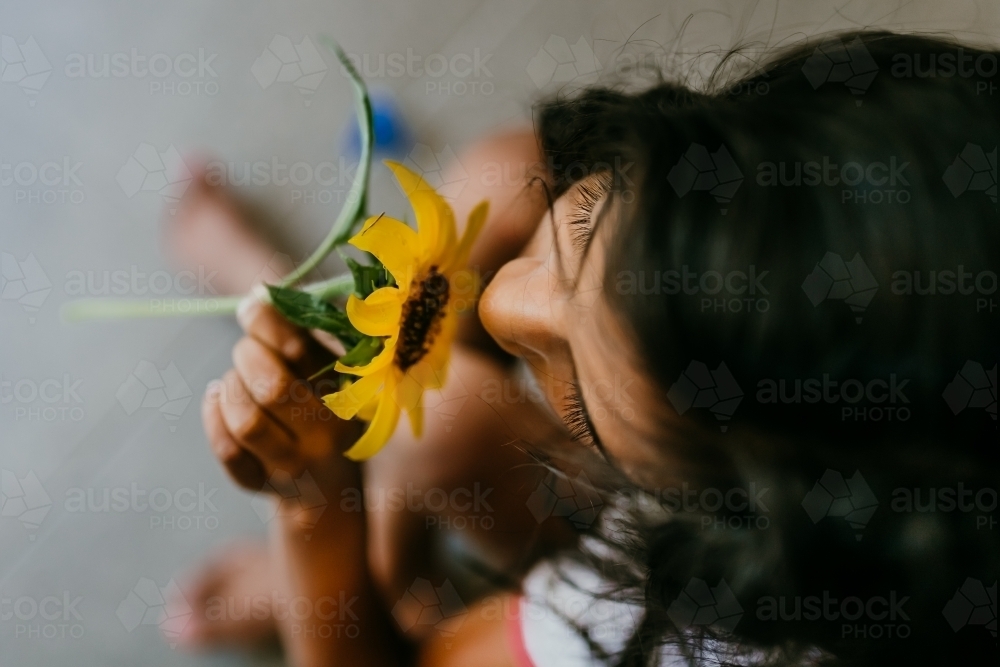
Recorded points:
(311,312)
(363,352)
(367,277)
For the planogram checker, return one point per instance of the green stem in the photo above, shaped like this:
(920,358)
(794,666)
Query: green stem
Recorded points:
(343,227)
(337,286)
(120,309)
(123,309)
(354,207)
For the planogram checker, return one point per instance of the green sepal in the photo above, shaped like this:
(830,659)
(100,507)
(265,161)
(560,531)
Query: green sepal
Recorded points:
(367,277)
(359,355)
(363,352)
(311,312)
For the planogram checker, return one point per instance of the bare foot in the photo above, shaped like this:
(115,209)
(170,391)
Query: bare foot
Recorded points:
(210,234)
(229,596)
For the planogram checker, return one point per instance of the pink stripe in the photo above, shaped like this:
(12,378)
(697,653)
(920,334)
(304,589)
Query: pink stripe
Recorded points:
(515,637)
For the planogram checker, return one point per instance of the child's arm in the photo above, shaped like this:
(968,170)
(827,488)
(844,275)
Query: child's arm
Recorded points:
(260,429)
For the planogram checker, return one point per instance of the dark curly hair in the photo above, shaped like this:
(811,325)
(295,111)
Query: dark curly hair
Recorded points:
(720,181)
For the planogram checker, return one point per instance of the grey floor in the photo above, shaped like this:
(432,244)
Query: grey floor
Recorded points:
(111,407)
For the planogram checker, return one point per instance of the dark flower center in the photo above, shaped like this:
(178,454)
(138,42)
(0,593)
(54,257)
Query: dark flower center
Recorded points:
(422,315)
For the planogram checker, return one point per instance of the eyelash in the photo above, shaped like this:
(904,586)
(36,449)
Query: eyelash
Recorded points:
(590,193)
(576,417)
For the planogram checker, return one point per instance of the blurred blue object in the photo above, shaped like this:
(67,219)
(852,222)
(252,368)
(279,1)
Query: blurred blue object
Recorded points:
(392,135)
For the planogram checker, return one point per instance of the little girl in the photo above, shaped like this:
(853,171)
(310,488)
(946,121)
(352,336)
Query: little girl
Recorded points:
(724,392)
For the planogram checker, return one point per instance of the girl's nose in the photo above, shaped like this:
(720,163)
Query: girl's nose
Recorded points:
(520,309)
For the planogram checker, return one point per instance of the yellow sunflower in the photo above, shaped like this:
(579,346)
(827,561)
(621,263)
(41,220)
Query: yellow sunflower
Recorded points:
(416,316)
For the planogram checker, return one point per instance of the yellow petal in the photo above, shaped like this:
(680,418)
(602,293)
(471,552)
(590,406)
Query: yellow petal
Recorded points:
(426,203)
(408,394)
(382,426)
(347,402)
(447,237)
(472,228)
(378,314)
(367,412)
(394,244)
(379,362)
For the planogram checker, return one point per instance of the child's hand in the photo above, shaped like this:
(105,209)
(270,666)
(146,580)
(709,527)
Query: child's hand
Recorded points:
(262,417)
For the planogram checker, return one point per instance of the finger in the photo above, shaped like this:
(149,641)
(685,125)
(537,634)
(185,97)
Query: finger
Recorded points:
(291,401)
(242,466)
(303,353)
(272,385)
(252,427)
(263,322)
